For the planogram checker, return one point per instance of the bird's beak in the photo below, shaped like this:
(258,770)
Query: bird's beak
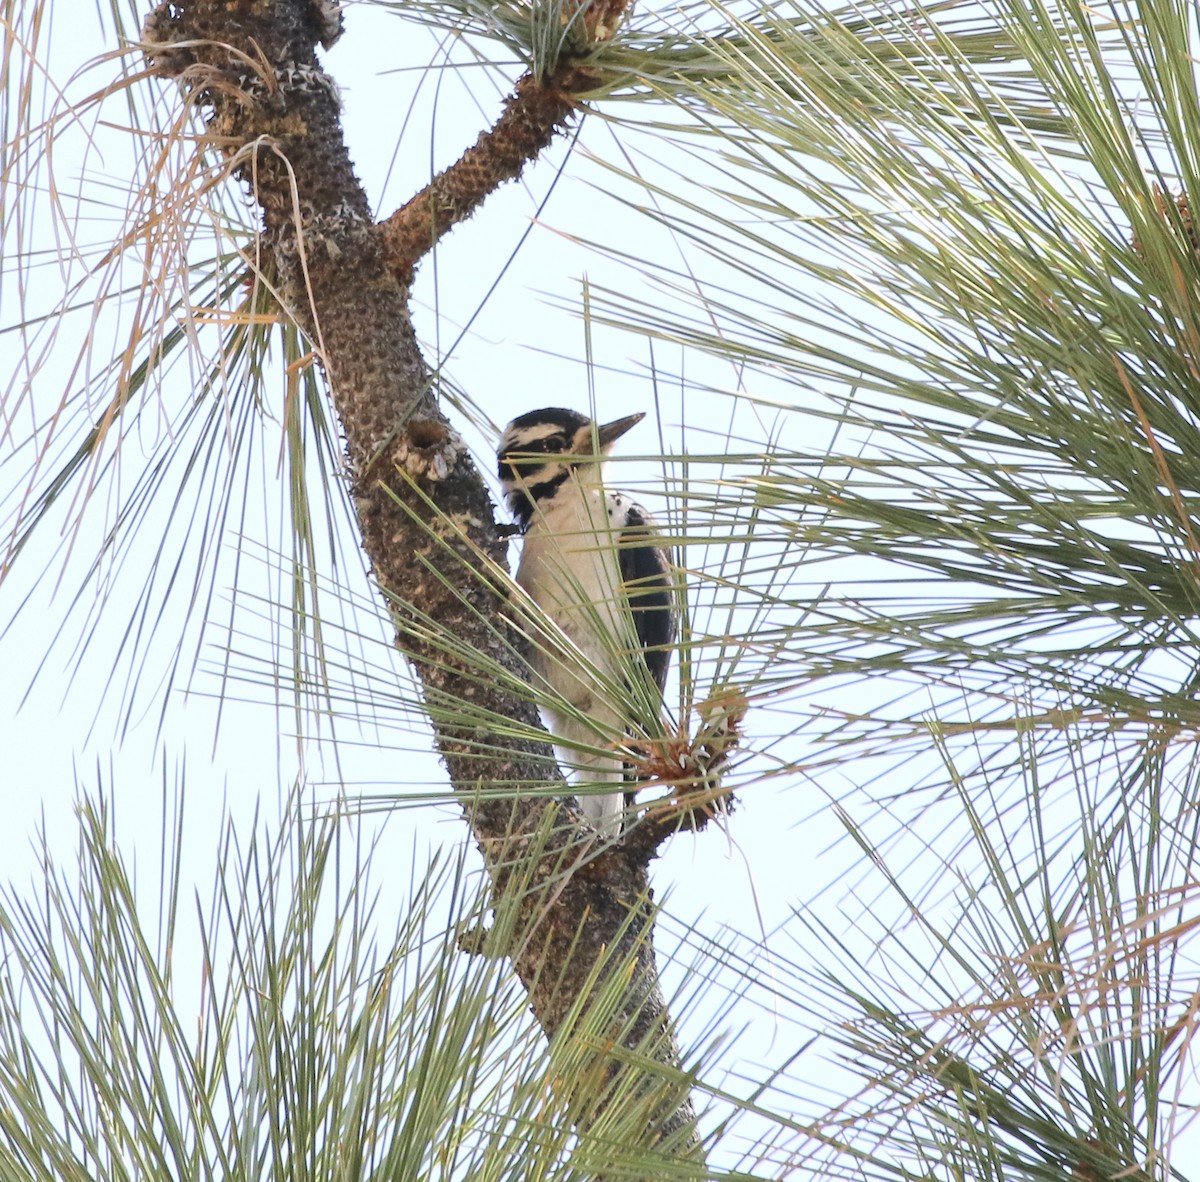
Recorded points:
(609,433)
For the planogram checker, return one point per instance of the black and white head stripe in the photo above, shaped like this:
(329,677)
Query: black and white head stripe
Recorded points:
(529,465)
(538,451)
(550,432)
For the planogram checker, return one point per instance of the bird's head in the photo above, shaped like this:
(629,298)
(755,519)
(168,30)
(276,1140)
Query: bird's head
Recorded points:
(539,451)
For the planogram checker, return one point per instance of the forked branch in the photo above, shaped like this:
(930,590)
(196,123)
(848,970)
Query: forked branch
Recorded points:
(533,114)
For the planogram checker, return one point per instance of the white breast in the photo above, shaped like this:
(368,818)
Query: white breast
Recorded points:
(569,568)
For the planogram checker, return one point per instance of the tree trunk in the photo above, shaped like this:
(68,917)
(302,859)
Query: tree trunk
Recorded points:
(425,514)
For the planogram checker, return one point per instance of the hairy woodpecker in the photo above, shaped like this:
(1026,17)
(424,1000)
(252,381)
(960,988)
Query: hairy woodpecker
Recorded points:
(592,563)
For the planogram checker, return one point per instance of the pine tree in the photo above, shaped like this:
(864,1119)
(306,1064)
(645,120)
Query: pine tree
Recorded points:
(929,323)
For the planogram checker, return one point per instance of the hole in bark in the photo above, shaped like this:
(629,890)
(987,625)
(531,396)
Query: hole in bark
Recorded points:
(426,433)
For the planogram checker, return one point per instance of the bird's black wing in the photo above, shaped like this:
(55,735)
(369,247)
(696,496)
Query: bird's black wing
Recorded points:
(647,581)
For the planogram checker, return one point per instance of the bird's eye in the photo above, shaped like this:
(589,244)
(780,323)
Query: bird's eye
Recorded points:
(518,456)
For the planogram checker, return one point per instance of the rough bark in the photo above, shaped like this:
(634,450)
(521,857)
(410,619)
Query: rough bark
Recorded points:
(532,115)
(425,513)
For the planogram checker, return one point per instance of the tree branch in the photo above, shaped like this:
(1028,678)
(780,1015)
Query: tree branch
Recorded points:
(425,514)
(532,115)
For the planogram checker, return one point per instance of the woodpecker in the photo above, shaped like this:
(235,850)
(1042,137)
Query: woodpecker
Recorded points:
(592,562)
